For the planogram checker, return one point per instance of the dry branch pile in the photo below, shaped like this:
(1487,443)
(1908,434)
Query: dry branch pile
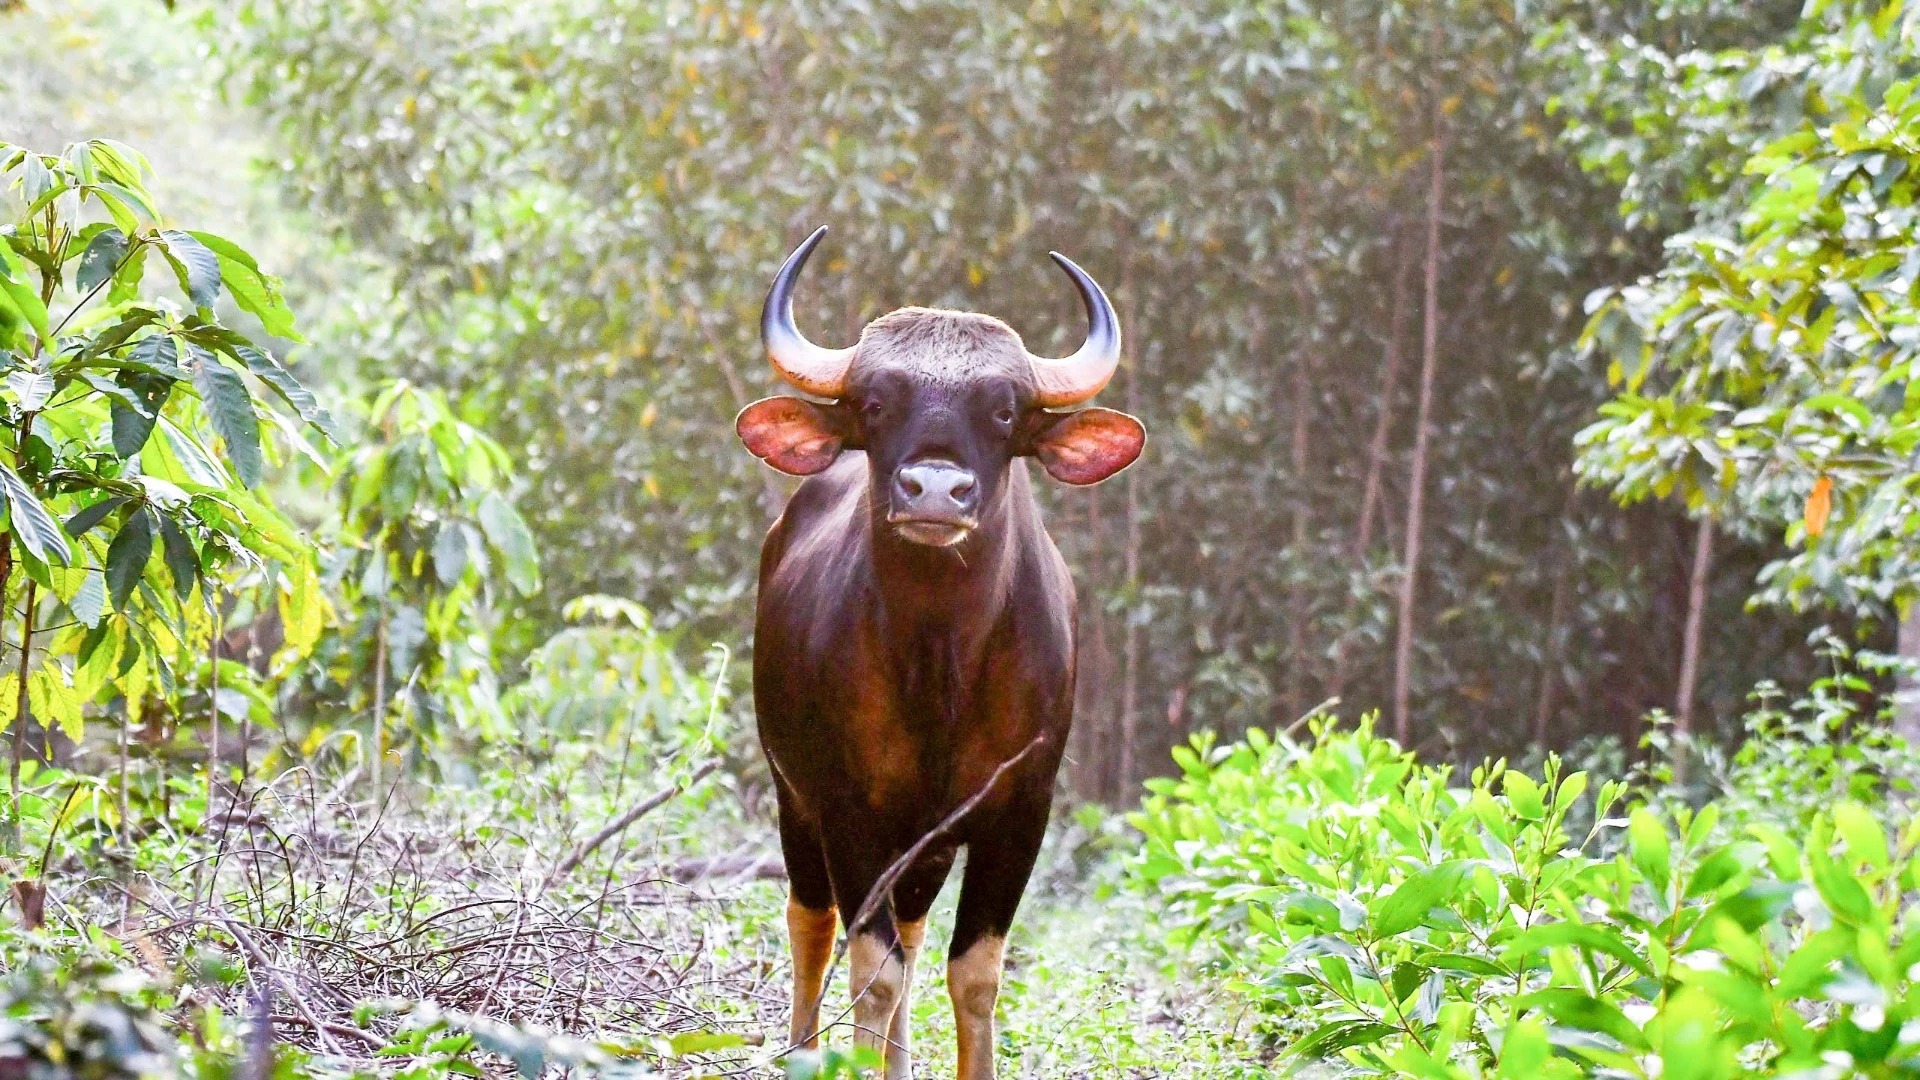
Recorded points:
(323,902)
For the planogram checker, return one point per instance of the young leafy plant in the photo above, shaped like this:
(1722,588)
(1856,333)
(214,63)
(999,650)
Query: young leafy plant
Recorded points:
(134,430)
(428,537)
(1390,918)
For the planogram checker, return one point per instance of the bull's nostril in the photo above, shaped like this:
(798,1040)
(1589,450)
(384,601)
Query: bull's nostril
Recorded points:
(910,486)
(962,489)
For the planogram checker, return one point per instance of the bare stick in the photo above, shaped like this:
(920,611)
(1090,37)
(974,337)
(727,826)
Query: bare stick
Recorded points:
(293,992)
(22,713)
(614,827)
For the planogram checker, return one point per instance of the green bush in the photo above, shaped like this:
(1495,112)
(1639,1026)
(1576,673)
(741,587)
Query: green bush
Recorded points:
(1387,917)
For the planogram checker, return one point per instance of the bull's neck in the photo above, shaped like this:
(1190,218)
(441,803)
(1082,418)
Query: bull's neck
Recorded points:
(965,584)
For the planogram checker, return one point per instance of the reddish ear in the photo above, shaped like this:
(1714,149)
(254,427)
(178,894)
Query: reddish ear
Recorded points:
(797,437)
(1088,446)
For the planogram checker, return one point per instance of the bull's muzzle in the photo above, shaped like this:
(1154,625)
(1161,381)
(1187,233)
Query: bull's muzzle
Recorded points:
(934,503)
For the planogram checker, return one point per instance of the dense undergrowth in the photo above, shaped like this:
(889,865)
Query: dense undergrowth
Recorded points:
(1396,917)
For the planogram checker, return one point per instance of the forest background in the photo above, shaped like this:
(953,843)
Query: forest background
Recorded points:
(1537,374)
(1355,252)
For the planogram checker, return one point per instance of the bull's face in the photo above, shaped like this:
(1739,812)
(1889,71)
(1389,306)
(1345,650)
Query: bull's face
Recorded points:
(942,402)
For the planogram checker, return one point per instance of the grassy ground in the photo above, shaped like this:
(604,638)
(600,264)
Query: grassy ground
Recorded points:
(1089,990)
(336,908)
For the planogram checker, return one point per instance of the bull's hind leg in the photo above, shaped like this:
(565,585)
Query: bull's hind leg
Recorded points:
(810,922)
(1000,859)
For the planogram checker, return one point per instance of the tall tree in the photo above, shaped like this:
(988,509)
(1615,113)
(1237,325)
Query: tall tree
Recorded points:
(1422,428)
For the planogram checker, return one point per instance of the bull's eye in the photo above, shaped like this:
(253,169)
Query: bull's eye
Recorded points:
(1003,416)
(871,407)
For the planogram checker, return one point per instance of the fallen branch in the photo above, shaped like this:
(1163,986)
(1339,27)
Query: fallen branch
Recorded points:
(268,970)
(614,827)
(348,1030)
(761,865)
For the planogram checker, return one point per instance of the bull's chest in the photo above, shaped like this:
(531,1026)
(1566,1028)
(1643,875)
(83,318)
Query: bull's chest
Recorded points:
(915,736)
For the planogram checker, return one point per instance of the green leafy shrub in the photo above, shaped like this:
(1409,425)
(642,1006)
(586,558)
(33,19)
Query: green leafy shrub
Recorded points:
(429,551)
(610,674)
(1801,753)
(1386,915)
(136,427)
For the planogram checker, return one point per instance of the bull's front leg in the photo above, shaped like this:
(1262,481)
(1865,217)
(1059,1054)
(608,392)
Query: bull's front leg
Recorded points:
(973,981)
(810,920)
(999,862)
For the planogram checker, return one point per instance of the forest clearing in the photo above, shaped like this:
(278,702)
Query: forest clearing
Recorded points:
(1459,474)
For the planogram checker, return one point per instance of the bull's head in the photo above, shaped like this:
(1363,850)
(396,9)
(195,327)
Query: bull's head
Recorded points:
(942,402)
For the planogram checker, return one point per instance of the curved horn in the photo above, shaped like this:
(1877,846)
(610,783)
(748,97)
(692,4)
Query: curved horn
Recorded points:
(818,371)
(1074,379)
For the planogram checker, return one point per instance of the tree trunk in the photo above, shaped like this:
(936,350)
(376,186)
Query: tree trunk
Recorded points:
(1906,698)
(1548,702)
(1130,685)
(1417,482)
(22,712)
(1383,423)
(1302,402)
(1690,643)
(1370,497)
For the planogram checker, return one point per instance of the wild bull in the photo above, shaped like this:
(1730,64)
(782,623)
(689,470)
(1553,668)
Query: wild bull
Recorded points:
(914,646)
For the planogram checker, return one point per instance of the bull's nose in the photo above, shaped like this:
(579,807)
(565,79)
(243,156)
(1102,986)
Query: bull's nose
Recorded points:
(934,490)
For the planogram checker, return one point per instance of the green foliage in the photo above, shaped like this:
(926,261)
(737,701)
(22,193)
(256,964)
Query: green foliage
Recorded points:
(612,675)
(1389,918)
(428,543)
(1247,180)
(83,1019)
(115,397)
(1765,371)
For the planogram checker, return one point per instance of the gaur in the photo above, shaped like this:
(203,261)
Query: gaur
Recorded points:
(915,632)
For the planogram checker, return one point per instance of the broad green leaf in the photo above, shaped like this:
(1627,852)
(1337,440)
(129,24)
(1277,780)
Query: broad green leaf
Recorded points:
(100,259)
(35,528)
(1866,838)
(701,1042)
(1577,1009)
(133,416)
(1404,908)
(1647,839)
(30,389)
(127,557)
(249,286)
(303,607)
(1590,938)
(1524,796)
(83,521)
(450,552)
(183,561)
(197,267)
(289,388)
(18,293)
(54,703)
(89,603)
(229,406)
(510,536)
(1725,864)
(1338,1035)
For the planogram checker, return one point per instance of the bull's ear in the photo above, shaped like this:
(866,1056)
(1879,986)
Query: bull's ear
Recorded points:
(797,437)
(1085,447)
